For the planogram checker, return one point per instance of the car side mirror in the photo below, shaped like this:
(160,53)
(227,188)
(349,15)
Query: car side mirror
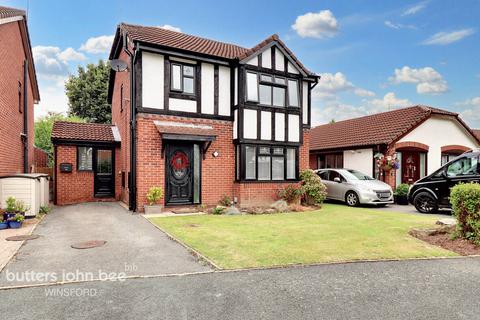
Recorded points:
(337,179)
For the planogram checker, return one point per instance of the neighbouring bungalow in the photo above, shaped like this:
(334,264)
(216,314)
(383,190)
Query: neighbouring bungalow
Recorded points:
(421,138)
(200,118)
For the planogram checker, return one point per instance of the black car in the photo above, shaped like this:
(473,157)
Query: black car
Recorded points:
(433,192)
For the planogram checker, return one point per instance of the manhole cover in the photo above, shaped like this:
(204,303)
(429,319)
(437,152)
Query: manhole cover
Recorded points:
(22,238)
(88,244)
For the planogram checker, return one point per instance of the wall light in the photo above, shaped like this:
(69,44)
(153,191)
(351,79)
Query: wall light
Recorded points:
(215,154)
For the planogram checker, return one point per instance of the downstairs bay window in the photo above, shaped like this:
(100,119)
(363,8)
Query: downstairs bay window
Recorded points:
(266,163)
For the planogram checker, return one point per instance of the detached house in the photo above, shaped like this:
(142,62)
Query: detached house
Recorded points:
(18,93)
(420,137)
(203,118)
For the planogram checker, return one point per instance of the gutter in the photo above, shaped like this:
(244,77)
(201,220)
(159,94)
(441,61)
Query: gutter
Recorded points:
(133,128)
(25,116)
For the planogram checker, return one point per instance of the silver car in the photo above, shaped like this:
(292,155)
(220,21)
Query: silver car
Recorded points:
(354,187)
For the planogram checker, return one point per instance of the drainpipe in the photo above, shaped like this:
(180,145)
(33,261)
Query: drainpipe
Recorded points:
(133,128)
(25,117)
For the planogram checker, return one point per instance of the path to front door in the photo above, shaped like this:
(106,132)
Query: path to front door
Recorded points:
(134,246)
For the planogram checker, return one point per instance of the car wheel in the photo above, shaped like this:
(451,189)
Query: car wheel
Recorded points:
(424,202)
(352,199)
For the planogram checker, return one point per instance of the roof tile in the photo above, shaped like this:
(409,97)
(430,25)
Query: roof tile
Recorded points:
(63,130)
(6,12)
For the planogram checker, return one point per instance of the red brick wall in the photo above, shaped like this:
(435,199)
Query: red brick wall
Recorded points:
(77,186)
(122,119)
(218,174)
(12,56)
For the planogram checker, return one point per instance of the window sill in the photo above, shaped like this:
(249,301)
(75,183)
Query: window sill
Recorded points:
(185,96)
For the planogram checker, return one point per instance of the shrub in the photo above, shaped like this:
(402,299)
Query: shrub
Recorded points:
(44,209)
(402,190)
(315,190)
(225,201)
(20,206)
(154,195)
(11,204)
(291,193)
(218,210)
(465,200)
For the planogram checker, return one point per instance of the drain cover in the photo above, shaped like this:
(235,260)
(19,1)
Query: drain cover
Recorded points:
(23,238)
(88,244)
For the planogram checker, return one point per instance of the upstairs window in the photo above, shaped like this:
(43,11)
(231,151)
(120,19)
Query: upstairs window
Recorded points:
(182,78)
(272,90)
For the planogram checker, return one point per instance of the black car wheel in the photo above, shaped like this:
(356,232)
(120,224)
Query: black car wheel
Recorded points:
(351,198)
(424,202)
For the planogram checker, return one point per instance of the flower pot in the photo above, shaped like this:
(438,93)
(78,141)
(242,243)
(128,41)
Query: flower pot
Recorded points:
(15,224)
(8,215)
(401,200)
(3,225)
(155,209)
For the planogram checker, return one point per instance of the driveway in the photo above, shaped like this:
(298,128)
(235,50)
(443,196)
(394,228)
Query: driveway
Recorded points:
(134,247)
(421,289)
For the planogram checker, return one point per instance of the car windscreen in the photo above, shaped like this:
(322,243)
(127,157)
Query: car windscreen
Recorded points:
(356,175)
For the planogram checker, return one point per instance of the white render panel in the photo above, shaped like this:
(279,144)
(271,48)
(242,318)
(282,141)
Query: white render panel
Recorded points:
(224,91)
(279,126)
(152,80)
(182,105)
(305,102)
(436,132)
(253,61)
(235,124)
(207,88)
(250,124)
(360,159)
(235,85)
(279,60)
(293,128)
(291,68)
(267,58)
(266,125)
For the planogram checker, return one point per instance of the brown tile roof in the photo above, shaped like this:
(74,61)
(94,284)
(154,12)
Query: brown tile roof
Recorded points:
(6,12)
(381,128)
(183,128)
(477,133)
(179,40)
(74,131)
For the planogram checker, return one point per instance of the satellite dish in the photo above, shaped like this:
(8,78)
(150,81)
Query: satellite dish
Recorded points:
(118,65)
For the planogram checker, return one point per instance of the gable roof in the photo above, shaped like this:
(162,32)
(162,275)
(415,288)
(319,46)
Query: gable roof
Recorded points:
(377,129)
(8,13)
(75,131)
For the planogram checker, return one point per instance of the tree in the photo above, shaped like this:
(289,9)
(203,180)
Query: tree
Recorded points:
(43,131)
(87,93)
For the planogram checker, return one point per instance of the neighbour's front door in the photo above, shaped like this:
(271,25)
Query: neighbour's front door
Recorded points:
(103,163)
(410,167)
(179,174)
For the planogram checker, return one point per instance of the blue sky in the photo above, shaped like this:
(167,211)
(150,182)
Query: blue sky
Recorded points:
(373,55)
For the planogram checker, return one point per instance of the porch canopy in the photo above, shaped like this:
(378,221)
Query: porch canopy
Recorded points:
(186,131)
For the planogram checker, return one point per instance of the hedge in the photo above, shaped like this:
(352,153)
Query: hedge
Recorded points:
(465,200)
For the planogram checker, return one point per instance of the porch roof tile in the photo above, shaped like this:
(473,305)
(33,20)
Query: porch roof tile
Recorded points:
(95,132)
(184,128)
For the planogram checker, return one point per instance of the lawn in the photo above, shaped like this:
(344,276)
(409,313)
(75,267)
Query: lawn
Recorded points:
(334,233)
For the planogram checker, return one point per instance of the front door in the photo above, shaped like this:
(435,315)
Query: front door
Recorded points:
(179,174)
(410,167)
(103,162)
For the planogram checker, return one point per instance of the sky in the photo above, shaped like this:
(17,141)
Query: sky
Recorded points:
(372,56)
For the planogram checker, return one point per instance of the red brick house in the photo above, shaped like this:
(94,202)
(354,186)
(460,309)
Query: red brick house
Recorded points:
(18,93)
(204,119)
(422,139)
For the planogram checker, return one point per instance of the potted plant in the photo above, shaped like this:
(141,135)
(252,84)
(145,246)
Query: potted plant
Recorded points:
(401,193)
(20,207)
(16,221)
(11,208)
(3,224)
(154,195)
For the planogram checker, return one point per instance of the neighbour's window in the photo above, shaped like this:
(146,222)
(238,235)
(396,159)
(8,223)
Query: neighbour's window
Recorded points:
(274,163)
(183,78)
(447,157)
(463,167)
(84,158)
(330,161)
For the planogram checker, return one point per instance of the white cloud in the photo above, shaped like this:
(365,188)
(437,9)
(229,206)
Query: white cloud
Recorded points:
(472,112)
(398,26)
(96,45)
(415,9)
(50,61)
(428,80)
(331,84)
(388,102)
(70,54)
(171,28)
(322,24)
(444,38)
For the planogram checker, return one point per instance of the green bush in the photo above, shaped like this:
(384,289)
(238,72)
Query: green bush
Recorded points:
(218,210)
(11,204)
(314,190)
(402,190)
(154,195)
(291,193)
(225,201)
(465,200)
